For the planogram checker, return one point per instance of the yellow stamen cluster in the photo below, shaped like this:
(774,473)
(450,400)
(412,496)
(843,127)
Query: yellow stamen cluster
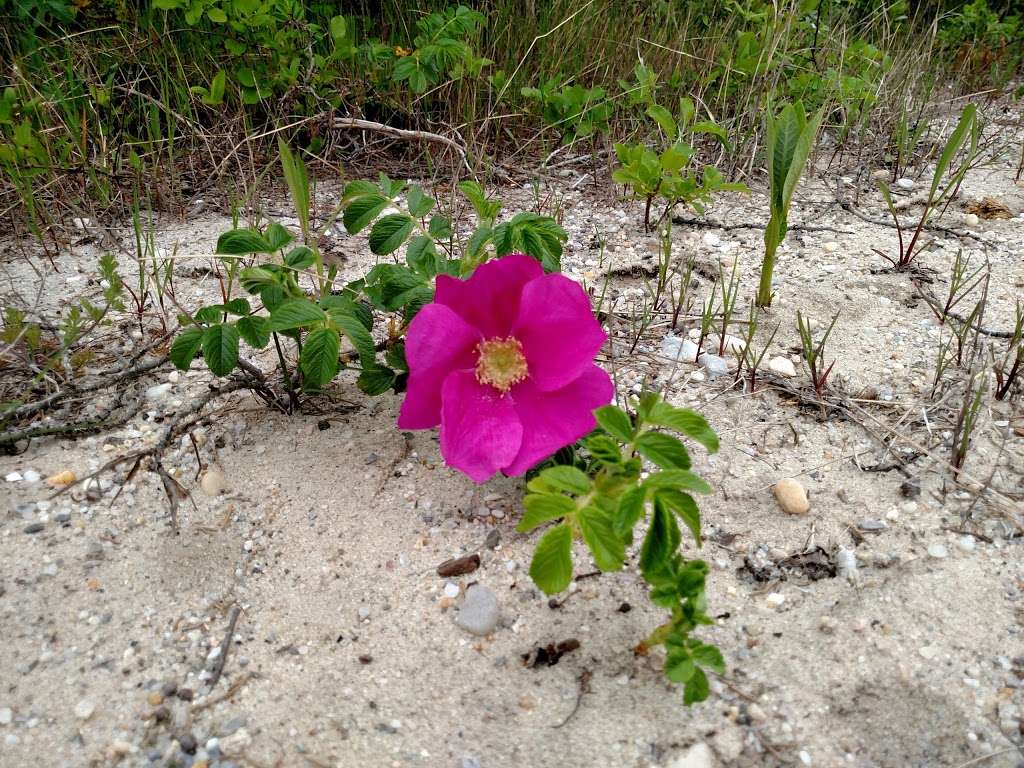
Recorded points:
(501,363)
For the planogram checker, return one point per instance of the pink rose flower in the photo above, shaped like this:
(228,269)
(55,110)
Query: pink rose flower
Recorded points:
(504,362)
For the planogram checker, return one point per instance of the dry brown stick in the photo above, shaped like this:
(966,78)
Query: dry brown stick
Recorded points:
(225,647)
(712,224)
(401,133)
(209,701)
(29,408)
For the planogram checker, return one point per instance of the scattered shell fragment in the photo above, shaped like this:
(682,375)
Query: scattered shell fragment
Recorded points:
(213,482)
(61,479)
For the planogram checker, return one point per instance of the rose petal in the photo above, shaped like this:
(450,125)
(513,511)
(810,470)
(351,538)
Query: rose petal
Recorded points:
(480,432)
(489,299)
(437,343)
(552,420)
(558,331)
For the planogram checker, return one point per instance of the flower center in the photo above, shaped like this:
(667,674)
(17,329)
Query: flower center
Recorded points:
(501,363)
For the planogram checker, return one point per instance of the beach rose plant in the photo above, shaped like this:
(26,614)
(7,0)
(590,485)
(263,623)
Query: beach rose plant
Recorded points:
(496,349)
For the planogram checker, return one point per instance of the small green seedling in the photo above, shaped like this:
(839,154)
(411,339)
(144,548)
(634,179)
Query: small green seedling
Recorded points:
(967,131)
(790,140)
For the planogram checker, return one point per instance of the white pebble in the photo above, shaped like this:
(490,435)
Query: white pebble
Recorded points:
(775,599)
(782,366)
(451,589)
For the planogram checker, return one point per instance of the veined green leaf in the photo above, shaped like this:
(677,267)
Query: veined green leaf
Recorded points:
(295,313)
(566,478)
(319,358)
(664,450)
(609,550)
(543,507)
(551,567)
(615,422)
(220,348)
(186,347)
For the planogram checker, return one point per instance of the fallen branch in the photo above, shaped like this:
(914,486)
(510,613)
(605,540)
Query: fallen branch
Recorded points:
(711,224)
(225,647)
(353,123)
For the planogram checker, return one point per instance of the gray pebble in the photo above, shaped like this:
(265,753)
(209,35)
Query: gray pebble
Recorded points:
(479,612)
(872,525)
(231,726)
(468,762)
(34,527)
(62,517)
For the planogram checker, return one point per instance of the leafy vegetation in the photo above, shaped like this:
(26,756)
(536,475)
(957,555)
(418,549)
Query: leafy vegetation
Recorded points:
(601,497)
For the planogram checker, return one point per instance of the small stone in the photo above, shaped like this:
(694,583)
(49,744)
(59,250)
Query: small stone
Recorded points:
(792,497)
(468,762)
(971,220)
(479,611)
(34,527)
(775,599)
(872,525)
(846,564)
(451,589)
(676,348)
(827,624)
(715,365)
(13,477)
(938,551)
(713,239)
(155,699)
(459,566)
(905,184)
(31,476)
(236,743)
(188,743)
(363,612)
(782,366)
(928,651)
(493,539)
(61,479)
(213,482)
(966,543)
(831,246)
(6,716)
(158,393)
(697,756)
(84,709)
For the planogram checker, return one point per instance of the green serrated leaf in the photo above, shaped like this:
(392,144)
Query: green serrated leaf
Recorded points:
(709,657)
(679,667)
(664,450)
(542,508)
(295,313)
(220,348)
(697,688)
(240,242)
(630,510)
(604,449)
(661,542)
(551,567)
(255,330)
(300,257)
(363,210)
(277,236)
(680,479)
(440,227)
(186,347)
(615,422)
(389,233)
(419,203)
(609,550)
(376,381)
(684,506)
(319,358)
(566,478)
(684,421)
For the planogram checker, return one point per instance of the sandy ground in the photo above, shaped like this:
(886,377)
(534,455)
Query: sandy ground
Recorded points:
(345,652)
